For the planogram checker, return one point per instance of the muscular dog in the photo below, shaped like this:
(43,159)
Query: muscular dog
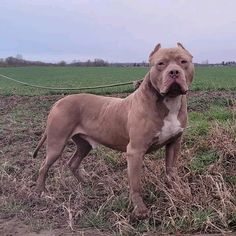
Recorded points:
(153,116)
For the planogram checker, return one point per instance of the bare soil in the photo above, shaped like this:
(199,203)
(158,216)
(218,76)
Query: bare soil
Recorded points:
(15,227)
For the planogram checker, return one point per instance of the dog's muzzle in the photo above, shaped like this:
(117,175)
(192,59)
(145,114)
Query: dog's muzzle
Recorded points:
(174,89)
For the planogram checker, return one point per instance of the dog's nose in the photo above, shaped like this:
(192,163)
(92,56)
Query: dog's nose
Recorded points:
(174,74)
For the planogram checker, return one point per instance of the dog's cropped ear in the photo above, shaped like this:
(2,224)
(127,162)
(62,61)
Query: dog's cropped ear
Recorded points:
(180,45)
(158,46)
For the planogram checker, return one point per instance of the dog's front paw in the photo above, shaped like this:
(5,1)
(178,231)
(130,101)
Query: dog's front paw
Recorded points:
(140,212)
(172,178)
(39,191)
(181,188)
(81,175)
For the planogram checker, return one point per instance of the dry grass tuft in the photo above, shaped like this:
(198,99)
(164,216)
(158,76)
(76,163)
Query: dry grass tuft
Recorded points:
(224,138)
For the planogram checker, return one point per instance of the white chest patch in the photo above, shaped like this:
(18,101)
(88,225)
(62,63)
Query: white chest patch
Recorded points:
(171,125)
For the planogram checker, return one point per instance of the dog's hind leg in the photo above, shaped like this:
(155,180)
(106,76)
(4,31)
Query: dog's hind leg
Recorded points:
(51,157)
(83,148)
(56,141)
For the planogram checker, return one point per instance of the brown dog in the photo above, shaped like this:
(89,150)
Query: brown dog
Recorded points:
(151,117)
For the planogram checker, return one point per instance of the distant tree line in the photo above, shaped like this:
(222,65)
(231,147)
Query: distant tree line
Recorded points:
(228,63)
(223,63)
(19,61)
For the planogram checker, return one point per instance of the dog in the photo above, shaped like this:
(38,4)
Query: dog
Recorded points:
(151,117)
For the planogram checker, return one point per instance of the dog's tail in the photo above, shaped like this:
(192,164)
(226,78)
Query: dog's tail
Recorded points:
(42,140)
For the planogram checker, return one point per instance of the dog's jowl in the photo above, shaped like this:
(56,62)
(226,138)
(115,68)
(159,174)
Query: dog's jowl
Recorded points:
(153,116)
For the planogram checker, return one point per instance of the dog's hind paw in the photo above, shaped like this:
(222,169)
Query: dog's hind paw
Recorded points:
(39,192)
(140,212)
(81,175)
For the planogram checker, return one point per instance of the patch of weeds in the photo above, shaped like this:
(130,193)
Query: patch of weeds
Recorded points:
(193,221)
(45,105)
(19,113)
(182,224)
(198,126)
(24,115)
(9,169)
(156,155)
(111,158)
(200,123)
(120,203)
(232,221)
(200,218)
(198,104)
(173,224)
(143,226)
(38,224)
(220,114)
(203,103)
(231,179)
(13,207)
(151,193)
(202,160)
(94,219)
(88,190)
(222,102)
(223,137)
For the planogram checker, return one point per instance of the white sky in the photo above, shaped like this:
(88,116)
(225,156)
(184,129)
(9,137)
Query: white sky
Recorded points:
(116,30)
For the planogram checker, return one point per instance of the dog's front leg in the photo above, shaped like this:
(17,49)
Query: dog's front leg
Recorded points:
(135,162)
(172,153)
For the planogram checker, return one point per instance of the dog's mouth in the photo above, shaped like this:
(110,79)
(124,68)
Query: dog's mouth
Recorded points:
(175,89)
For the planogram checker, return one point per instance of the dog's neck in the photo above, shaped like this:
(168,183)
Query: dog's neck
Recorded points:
(148,89)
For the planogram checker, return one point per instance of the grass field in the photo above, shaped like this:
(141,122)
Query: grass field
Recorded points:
(207,78)
(204,203)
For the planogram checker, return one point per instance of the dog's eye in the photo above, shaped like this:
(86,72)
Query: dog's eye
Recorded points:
(183,62)
(160,63)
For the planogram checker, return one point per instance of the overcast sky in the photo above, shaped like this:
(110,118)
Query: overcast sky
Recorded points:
(116,30)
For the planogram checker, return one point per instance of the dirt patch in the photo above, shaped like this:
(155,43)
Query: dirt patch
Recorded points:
(14,227)
(202,100)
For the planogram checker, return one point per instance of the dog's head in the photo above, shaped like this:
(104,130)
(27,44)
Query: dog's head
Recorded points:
(171,70)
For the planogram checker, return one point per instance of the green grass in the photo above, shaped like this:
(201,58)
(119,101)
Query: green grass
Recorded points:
(206,78)
(94,219)
(199,132)
(67,77)
(202,160)
(215,78)
(198,127)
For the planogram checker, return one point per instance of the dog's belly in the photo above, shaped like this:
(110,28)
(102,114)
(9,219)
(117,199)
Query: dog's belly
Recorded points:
(119,144)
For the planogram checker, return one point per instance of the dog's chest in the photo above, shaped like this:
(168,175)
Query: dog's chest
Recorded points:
(171,125)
